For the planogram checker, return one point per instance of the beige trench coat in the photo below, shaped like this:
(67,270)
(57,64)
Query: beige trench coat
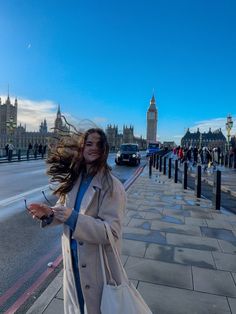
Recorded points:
(97,205)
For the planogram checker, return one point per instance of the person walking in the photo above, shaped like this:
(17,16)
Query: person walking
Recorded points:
(10,151)
(89,198)
(7,149)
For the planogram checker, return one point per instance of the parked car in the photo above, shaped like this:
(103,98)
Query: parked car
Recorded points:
(128,154)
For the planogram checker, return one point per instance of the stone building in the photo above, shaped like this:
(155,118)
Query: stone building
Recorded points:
(152,116)
(209,139)
(115,139)
(10,132)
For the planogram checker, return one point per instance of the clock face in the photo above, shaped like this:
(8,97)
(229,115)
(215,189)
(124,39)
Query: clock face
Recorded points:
(151,115)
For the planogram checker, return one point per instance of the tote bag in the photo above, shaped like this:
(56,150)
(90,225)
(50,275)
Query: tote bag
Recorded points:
(123,298)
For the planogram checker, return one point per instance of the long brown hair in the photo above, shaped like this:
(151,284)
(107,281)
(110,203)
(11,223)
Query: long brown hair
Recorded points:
(66,161)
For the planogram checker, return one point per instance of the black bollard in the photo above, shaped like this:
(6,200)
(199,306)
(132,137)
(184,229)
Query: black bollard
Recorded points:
(27,154)
(169,167)
(217,190)
(185,176)
(154,160)
(222,160)
(19,154)
(150,166)
(198,182)
(157,162)
(230,161)
(176,171)
(164,168)
(160,163)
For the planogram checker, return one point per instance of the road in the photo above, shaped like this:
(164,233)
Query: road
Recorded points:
(26,249)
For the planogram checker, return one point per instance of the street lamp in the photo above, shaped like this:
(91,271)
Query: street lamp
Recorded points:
(228,125)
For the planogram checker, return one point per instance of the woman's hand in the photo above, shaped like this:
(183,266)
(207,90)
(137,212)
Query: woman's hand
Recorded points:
(38,210)
(61,213)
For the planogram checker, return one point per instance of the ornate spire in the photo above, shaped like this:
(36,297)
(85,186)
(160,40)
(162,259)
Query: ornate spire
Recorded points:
(59,110)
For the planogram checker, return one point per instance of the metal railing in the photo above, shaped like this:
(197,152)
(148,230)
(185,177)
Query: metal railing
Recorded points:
(22,154)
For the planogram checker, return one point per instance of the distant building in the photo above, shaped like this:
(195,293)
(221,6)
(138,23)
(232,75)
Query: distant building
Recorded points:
(17,134)
(152,121)
(209,139)
(169,144)
(115,139)
(8,115)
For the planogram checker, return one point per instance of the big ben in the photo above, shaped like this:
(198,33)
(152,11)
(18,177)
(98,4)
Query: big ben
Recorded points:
(152,121)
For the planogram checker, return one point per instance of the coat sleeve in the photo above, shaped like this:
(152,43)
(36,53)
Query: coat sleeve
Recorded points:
(92,229)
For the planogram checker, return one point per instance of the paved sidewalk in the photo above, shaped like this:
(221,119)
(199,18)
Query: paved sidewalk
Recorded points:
(179,252)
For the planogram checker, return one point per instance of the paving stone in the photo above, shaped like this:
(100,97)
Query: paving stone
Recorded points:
(213,281)
(59,295)
(219,224)
(159,272)
(225,261)
(197,243)
(135,214)
(175,228)
(138,234)
(181,213)
(232,304)
(194,257)
(218,233)
(152,215)
(158,252)
(169,300)
(56,306)
(228,246)
(126,221)
(200,214)
(195,221)
(133,248)
(140,223)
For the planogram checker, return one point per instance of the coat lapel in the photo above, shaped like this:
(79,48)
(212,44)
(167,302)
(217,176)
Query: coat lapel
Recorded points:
(88,196)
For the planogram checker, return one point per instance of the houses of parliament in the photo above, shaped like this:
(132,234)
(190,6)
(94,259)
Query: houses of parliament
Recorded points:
(11,132)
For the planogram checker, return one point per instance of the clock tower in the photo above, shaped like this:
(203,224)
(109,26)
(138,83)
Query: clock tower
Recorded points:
(152,121)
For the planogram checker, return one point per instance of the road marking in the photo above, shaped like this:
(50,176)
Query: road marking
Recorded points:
(19,283)
(18,197)
(29,292)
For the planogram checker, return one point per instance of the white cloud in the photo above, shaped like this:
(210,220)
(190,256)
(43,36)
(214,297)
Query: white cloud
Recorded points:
(32,112)
(214,124)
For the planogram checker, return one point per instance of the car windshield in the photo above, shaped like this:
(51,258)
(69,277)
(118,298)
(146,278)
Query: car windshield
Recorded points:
(128,148)
(153,145)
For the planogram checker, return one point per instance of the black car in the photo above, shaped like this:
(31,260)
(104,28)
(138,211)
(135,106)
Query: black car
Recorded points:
(128,154)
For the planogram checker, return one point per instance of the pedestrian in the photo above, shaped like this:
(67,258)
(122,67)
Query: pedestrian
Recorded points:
(40,149)
(195,155)
(10,151)
(44,149)
(7,149)
(89,197)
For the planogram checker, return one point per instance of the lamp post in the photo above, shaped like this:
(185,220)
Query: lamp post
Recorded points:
(11,125)
(228,125)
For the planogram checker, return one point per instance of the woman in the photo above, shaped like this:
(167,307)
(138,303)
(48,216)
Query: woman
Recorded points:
(88,195)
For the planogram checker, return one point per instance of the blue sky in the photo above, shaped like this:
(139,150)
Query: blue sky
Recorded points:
(102,59)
